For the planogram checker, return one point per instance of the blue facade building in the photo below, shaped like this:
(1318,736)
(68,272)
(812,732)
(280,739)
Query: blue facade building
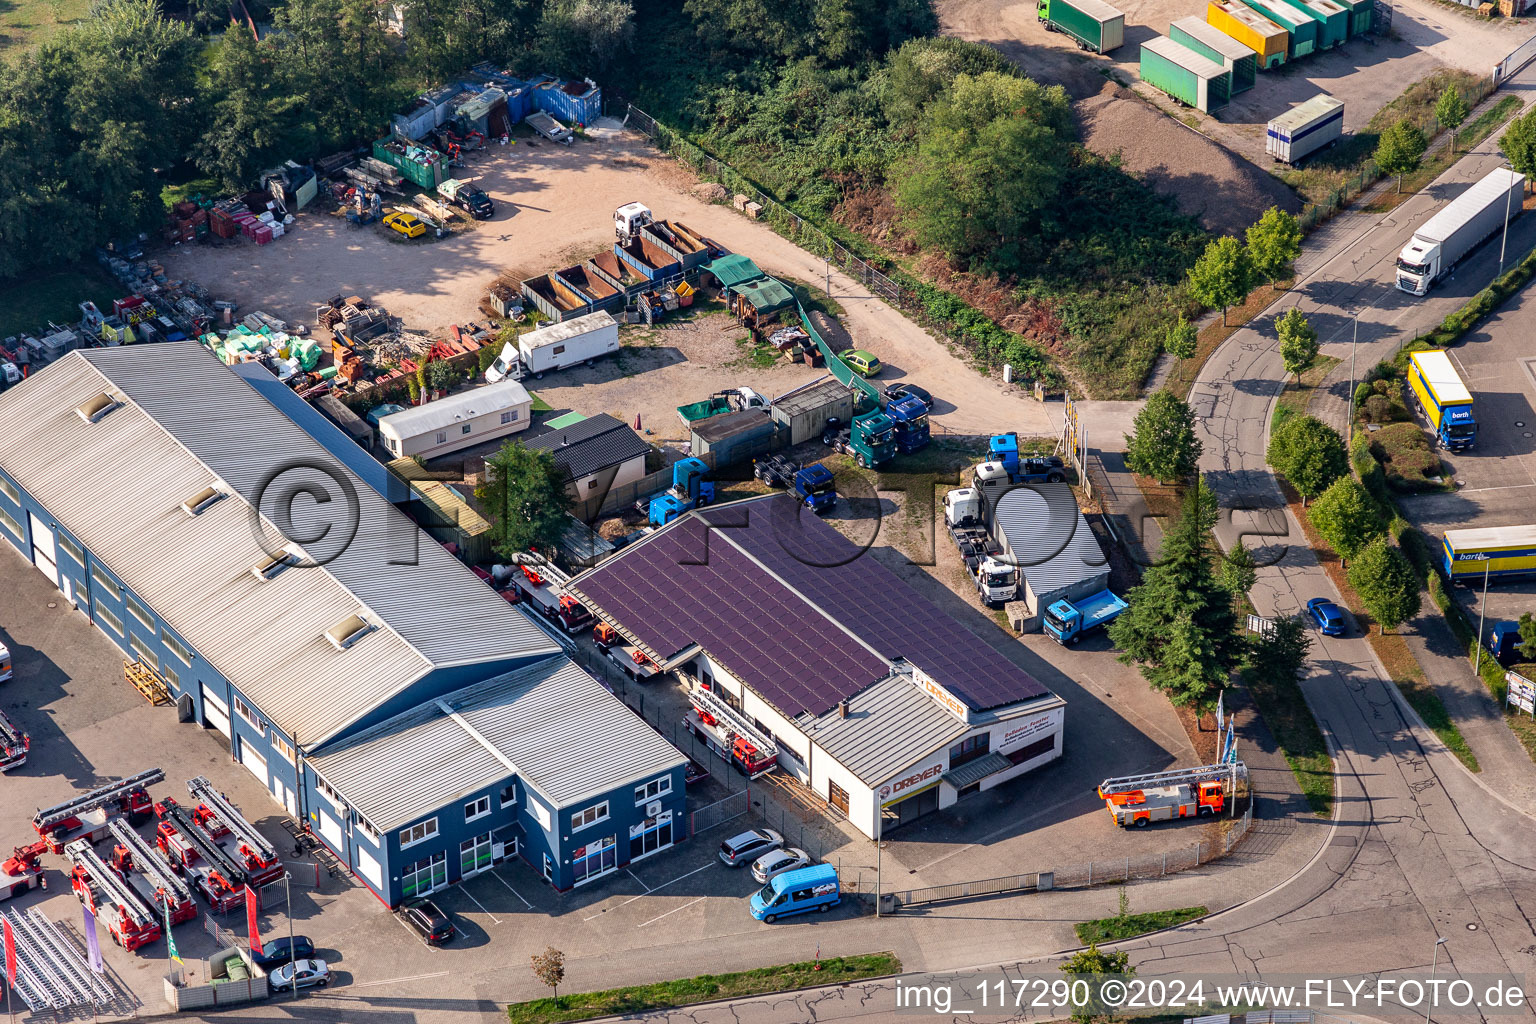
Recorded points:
(286,603)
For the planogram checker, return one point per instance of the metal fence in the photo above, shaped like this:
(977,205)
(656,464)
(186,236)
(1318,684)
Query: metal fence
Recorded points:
(1518,58)
(222,936)
(968,890)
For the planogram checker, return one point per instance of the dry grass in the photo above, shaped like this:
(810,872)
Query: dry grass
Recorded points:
(1294,399)
(1213,334)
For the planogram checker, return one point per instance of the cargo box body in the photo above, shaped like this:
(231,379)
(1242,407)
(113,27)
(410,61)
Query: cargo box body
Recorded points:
(1269,41)
(1332,20)
(1185,75)
(1301,26)
(1304,129)
(1213,44)
(1094,24)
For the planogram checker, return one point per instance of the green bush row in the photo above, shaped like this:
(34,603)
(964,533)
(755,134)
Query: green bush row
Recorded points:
(1482,304)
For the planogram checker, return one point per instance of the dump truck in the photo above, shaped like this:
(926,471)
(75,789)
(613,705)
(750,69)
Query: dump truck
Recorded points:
(1447,237)
(556,347)
(1445,399)
(1067,622)
(1139,800)
(1092,24)
(1305,129)
(1185,75)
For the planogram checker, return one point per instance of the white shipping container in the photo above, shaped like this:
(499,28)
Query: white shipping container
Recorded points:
(1304,129)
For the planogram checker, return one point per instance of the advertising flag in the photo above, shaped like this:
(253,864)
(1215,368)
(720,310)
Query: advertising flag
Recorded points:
(92,943)
(10,955)
(251,903)
(170,940)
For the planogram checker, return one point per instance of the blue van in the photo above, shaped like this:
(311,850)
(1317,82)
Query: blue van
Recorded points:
(796,892)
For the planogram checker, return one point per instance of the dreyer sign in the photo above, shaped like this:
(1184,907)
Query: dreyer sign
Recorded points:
(894,790)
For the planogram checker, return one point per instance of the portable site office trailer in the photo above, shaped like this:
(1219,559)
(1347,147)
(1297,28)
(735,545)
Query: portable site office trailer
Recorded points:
(1252,29)
(1185,75)
(1305,129)
(1212,43)
(1332,20)
(458,421)
(1301,26)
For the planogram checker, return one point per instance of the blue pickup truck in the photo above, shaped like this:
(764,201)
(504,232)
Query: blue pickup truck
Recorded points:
(1068,621)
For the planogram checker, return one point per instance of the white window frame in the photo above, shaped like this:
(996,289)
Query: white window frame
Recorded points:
(366,826)
(105,616)
(510,416)
(142,650)
(442,437)
(141,613)
(12,524)
(467,428)
(324,789)
(589,816)
(540,812)
(477,809)
(10,490)
(248,715)
(653,790)
(281,746)
(418,833)
(182,651)
(508,801)
(171,675)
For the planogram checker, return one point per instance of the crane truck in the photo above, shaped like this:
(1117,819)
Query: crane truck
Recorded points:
(1465,223)
(726,731)
(542,585)
(145,868)
(1139,800)
(129,918)
(86,816)
(22,869)
(14,745)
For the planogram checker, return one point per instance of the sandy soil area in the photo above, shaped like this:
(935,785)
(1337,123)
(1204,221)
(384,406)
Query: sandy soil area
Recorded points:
(554,207)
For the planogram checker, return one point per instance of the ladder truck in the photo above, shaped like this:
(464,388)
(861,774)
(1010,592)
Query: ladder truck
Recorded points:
(216,874)
(131,920)
(223,819)
(728,733)
(138,863)
(51,971)
(22,869)
(86,816)
(1139,800)
(543,585)
(14,745)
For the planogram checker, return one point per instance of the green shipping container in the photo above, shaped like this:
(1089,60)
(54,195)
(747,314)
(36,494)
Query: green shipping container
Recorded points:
(1332,20)
(1185,75)
(1094,24)
(426,173)
(1214,44)
(1361,13)
(1301,25)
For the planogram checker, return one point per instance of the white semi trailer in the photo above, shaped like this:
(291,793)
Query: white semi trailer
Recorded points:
(1448,236)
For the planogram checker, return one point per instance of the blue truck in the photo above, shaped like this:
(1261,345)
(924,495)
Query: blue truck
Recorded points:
(1069,621)
(909,415)
(813,485)
(1003,449)
(689,490)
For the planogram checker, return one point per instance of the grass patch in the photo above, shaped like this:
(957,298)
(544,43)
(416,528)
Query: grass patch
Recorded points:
(1214,333)
(191,188)
(1128,926)
(665,994)
(1408,458)
(30,21)
(1290,721)
(539,405)
(1294,399)
(28,302)
(754,354)
(1436,162)
(813,298)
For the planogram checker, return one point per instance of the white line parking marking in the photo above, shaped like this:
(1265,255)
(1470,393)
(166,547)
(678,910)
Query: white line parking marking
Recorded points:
(412,932)
(648,892)
(392,981)
(482,906)
(636,877)
(508,884)
(674,910)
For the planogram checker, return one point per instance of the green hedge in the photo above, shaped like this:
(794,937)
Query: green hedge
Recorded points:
(1482,304)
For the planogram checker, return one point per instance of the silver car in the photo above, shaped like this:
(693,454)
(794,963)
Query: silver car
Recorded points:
(743,849)
(311,973)
(778,862)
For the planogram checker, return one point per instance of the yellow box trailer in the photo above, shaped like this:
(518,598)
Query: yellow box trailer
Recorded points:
(1250,28)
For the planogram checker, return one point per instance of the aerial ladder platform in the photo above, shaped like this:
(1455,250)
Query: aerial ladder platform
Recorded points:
(1139,800)
(145,868)
(87,814)
(216,874)
(131,920)
(262,863)
(51,971)
(730,735)
(14,745)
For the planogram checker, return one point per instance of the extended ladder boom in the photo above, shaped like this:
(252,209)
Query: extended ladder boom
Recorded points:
(203,792)
(217,857)
(45,819)
(51,973)
(707,701)
(83,855)
(1190,776)
(148,862)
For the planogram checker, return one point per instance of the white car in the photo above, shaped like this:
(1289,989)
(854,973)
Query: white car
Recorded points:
(778,862)
(312,974)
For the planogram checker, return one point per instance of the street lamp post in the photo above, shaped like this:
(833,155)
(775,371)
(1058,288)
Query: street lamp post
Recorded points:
(1349,399)
(1482,617)
(1504,239)
(1434,962)
(879,860)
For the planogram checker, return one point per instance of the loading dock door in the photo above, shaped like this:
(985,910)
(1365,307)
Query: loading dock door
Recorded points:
(254,762)
(215,711)
(44,554)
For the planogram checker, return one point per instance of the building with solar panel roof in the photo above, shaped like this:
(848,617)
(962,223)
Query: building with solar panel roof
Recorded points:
(810,650)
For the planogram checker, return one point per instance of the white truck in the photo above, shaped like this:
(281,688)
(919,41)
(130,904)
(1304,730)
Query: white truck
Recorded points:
(1448,236)
(965,514)
(556,347)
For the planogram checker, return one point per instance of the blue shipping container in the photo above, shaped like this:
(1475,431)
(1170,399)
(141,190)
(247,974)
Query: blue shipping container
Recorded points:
(575,102)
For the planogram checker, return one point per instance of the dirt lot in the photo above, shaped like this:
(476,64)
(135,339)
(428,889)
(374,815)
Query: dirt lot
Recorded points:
(554,207)
(1203,178)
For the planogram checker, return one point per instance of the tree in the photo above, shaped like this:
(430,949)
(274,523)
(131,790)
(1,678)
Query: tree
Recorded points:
(1180,626)
(1162,443)
(1386,583)
(525,499)
(1308,453)
(992,154)
(549,967)
(1518,144)
(1274,242)
(1346,517)
(441,375)
(1298,342)
(584,36)
(1399,149)
(1279,652)
(924,69)
(1181,342)
(253,115)
(1093,965)
(1451,110)
(1237,572)
(1528,636)
(1221,276)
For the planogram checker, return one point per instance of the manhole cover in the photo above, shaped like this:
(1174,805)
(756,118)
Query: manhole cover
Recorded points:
(1472,927)
(53,604)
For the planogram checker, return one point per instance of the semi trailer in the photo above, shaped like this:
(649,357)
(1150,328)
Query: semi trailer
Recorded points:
(1092,24)
(1447,237)
(1185,75)
(1214,44)
(1501,552)
(1305,129)
(1268,41)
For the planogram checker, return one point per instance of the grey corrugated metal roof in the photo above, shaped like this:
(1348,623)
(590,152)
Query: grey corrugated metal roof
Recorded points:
(718,428)
(812,397)
(1053,549)
(889,726)
(975,771)
(187,421)
(596,443)
(569,738)
(445,412)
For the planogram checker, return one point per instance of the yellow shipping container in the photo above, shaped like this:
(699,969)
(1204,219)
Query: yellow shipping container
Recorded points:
(1250,28)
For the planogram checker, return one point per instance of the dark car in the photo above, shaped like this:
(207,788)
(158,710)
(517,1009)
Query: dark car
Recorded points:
(743,849)
(427,920)
(901,389)
(276,952)
(1328,616)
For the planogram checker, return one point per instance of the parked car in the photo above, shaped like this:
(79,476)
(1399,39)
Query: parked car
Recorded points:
(776,862)
(428,920)
(863,363)
(311,974)
(407,225)
(901,389)
(748,846)
(281,951)
(1328,616)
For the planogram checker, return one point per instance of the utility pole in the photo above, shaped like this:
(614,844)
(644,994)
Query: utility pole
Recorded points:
(1349,421)
(1482,617)
(292,956)
(1434,962)
(1504,239)
(879,860)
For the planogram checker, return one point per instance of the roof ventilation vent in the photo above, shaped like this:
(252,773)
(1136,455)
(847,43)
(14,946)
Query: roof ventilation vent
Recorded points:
(271,565)
(96,408)
(201,500)
(348,631)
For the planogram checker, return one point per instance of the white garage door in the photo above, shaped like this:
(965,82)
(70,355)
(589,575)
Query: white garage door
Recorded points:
(215,711)
(254,762)
(42,538)
(370,869)
(330,829)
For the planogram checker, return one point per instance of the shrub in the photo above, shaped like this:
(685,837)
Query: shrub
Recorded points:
(1406,456)
(1377,409)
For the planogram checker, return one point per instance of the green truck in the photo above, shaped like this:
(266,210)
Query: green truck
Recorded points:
(870,439)
(1182,73)
(1092,24)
